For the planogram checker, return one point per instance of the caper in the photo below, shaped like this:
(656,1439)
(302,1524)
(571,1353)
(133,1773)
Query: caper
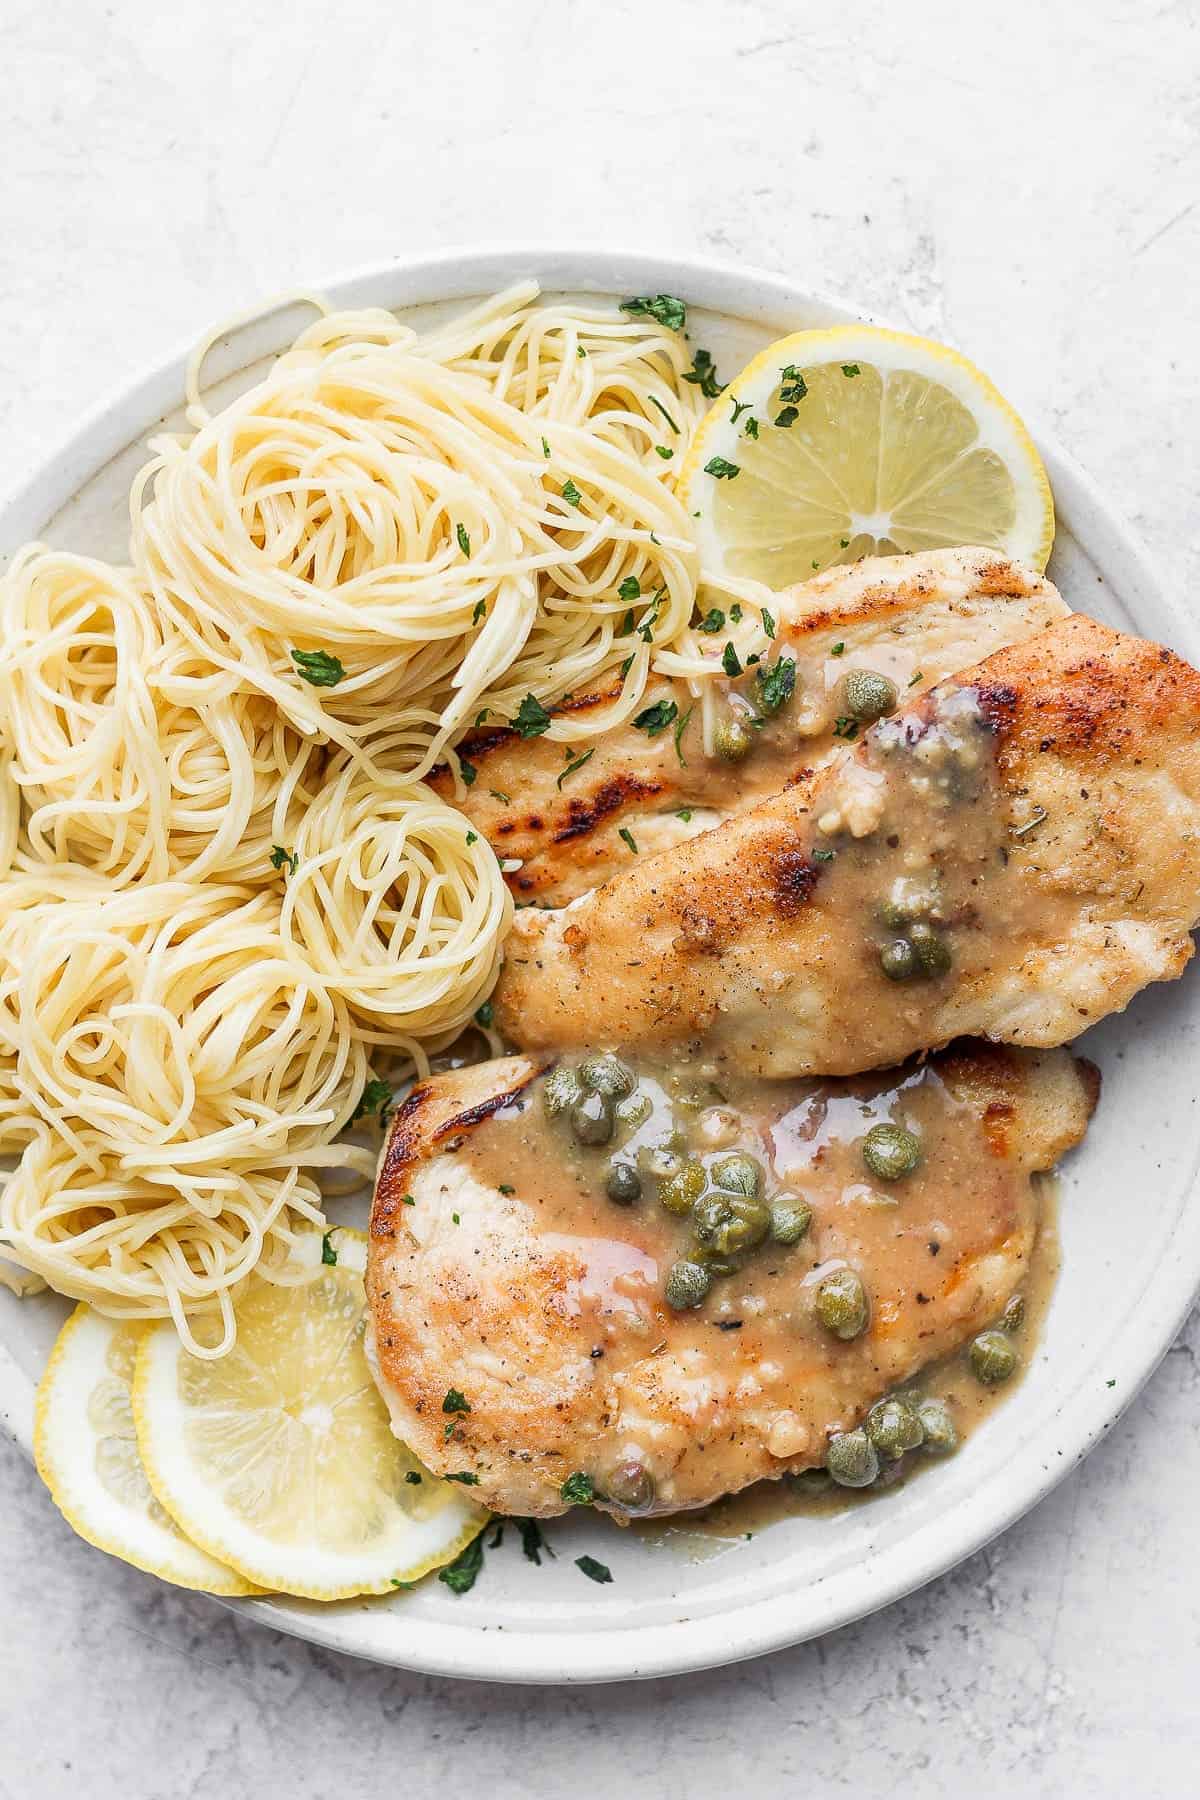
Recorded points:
(842,1306)
(851,1459)
(729,1224)
(733,740)
(899,961)
(790,1219)
(868,696)
(941,1436)
(592,1119)
(633,1111)
(931,950)
(1013,1316)
(631,1486)
(680,1191)
(607,1075)
(993,1357)
(893,1427)
(891,1152)
(686,1285)
(561,1091)
(738,1174)
(623,1184)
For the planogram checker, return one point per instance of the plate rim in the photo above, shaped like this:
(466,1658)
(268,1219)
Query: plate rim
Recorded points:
(477,1650)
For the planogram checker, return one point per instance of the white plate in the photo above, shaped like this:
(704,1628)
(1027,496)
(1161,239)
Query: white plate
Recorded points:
(1131,1238)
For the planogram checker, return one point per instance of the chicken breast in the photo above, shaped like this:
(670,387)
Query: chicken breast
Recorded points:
(1013,855)
(520,1329)
(557,821)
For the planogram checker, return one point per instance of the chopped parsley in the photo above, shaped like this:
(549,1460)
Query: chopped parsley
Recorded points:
(680,728)
(666,415)
(776,683)
(506,1187)
(750,428)
(595,1571)
(630,589)
(284,859)
(532,1541)
(844,542)
(545,448)
(787,417)
(735,612)
(739,407)
(464,541)
(485,1014)
(712,622)
(465,1476)
(664,309)
(575,763)
(627,623)
(629,838)
(721,470)
(703,374)
(792,385)
(850,369)
(824,855)
(504,799)
(455,1402)
(413,1479)
(578,1489)
(837,649)
(579,350)
(328,1253)
(768,623)
(655,719)
(665,451)
(914,678)
(480,612)
(467,770)
(460,1575)
(571,493)
(376,1097)
(626,666)
(532,718)
(472,838)
(684,813)
(729,662)
(318,668)
(845,728)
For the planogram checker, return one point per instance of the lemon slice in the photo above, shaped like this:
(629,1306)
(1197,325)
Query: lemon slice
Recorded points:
(87,1455)
(835,445)
(279,1457)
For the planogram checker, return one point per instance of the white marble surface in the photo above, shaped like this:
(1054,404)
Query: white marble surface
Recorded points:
(1019,176)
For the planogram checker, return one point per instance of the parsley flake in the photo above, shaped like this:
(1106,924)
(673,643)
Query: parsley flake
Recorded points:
(666,415)
(412,1478)
(571,493)
(739,407)
(730,663)
(630,589)
(768,623)
(824,855)
(914,678)
(703,374)
(665,451)
(468,771)
(532,718)
(506,1187)
(680,728)
(844,542)
(837,649)
(792,385)
(850,369)
(787,417)
(545,448)
(460,1575)
(664,309)
(845,728)
(576,762)
(776,683)
(376,1097)
(578,1489)
(466,1477)
(472,838)
(750,428)
(735,612)
(480,612)
(485,1014)
(464,541)
(655,719)
(595,1571)
(318,668)
(328,1253)
(629,838)
(721,470)
(504,799)
(684,813)
(532,1541)
(284,859)
(455,1402)
(712,622)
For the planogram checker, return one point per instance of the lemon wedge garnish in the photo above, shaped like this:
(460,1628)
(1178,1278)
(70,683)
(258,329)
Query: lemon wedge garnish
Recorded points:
(86,1451)
(279,1457)
(835,445)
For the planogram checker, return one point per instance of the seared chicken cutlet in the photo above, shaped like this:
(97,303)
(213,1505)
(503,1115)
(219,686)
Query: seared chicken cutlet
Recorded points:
(531,1327)
(1011,855)
(912,619)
